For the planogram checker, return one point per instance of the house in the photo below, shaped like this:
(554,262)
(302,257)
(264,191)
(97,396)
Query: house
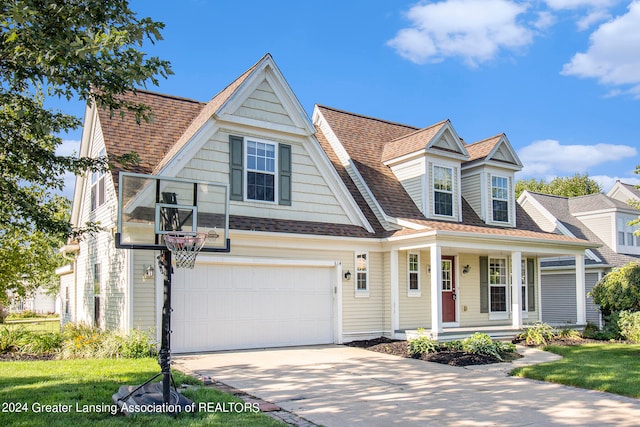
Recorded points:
(599,218)
(373,228)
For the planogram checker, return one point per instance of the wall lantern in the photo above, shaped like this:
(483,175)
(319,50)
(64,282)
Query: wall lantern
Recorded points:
(347,275)
(148,272)
(466,269)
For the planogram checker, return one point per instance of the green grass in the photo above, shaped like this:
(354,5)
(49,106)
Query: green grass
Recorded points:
(613,368)
(34,325)
(32,385)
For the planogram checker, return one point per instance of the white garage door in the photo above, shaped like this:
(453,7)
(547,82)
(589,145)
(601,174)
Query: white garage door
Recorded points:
(223,307)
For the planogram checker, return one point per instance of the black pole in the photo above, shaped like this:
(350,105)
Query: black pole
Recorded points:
(165,345)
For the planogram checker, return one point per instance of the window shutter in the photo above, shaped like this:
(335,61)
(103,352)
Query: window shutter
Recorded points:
(484,284)
(236,170)
(531,284)
(284,174)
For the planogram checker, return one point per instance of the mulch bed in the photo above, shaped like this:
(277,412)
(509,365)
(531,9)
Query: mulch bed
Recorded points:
(12,357)
(446,357)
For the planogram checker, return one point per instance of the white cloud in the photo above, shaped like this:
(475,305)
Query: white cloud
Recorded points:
(592,18)
(606,182)
(613,56)
(576,4)
(476,30)
(69,147)
(548,157)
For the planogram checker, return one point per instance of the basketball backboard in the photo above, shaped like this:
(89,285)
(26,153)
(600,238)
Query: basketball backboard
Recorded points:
(150,206)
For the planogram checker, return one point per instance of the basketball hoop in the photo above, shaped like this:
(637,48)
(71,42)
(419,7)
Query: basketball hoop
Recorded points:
(185,246)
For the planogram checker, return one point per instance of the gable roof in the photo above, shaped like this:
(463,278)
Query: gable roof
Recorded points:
(624,192)
(560,208)
(152,141)
(495,148)
(595,202)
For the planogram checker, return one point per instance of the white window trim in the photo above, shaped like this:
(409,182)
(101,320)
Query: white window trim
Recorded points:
(433,191)
(507,200)
(498,315)
(98,187)
(246,170)
(361,293)
(413,293)
(524,287)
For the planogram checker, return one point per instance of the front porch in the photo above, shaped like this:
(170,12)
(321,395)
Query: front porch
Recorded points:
(504,332)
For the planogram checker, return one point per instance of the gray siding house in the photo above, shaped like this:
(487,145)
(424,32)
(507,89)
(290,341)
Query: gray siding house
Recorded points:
(600,218)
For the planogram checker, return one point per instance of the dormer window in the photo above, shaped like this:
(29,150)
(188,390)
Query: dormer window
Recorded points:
(442,191)
(261,171)
(500,199)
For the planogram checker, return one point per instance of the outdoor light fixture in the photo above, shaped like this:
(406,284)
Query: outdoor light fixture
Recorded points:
(347,275)
(148,272)
(466,269)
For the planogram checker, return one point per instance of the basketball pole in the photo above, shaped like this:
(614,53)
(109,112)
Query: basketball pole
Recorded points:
(164,357)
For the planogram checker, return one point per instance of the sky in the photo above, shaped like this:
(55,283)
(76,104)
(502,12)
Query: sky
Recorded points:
(561,78)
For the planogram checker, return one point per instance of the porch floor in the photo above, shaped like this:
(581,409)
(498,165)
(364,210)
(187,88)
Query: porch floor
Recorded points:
(504,332)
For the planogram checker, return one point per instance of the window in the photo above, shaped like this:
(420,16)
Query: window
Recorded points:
(637,240)
(498,285)
(443,191)
(447,277)
(630,239)
(97,186)
(414,272)
(362,269)
(621,237)
(66,300)
(261,171)
(500,198)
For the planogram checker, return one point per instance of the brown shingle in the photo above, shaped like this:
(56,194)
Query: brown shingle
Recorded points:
(481,149)
(411,143)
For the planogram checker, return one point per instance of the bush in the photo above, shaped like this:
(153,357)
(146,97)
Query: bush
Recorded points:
(422,345)
(539,333)
(629,325)
(619,289)
(569,333)
(480,343)
(82,341)
(455,345)
(610,331)
(11,339)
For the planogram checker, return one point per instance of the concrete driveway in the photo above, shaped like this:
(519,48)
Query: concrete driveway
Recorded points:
(344,386)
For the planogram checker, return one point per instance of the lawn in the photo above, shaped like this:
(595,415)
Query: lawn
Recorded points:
(26,388)
(35,325)
(613,368)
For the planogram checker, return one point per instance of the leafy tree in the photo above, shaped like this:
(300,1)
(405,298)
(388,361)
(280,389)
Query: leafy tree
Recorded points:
(570,186)
(74,49)
(619,289)
(87,50)
(636,204)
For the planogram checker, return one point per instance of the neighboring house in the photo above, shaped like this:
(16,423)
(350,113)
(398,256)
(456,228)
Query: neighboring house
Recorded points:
(38,301)
(599,218)
(382,229)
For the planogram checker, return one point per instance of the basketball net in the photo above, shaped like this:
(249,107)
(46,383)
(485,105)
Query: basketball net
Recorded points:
(184,247)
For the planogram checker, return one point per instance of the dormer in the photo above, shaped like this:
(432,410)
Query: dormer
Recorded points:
(428,164)
(488,183)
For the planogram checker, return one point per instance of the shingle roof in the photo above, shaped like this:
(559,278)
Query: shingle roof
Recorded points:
(364,139)
(560,208)
(632,188)
(481,149)
(171,116)
(411,143)
(595,202)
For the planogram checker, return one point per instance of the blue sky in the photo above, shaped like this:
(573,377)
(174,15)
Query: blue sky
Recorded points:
(561,78)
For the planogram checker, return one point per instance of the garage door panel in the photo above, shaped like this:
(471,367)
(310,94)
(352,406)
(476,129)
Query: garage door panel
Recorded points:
(239,306)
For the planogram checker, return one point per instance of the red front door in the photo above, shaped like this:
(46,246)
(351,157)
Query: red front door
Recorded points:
(448,289)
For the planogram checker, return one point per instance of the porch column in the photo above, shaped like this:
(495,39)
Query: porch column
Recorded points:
(395,292)
(581,308)
(435,253)
(516,290)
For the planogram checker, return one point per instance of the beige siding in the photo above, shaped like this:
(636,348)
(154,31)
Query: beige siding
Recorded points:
(313,198)
(264,105)
(602,226)
(429,208)
(100,249)
(469,292)
(511,201)
(145,305)
(363,316)
(67,295)
(414,188)
(472,192)
(415,311)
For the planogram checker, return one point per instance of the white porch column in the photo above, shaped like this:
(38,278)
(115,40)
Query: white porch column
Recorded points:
(581,308)
(436,289)
(395,292)
(516,290)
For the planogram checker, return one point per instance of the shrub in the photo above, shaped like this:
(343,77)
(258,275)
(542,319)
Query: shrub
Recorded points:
(482,344)
(41,343)
(629,325)
(455,345)
(569,333)
(539,333)
(422,345)
(610,331)
(82,341)
(11,339)
(619,289)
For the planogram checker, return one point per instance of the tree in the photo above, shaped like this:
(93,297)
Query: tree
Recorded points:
(88,50)
(619,289)
(636,204)
(570,186)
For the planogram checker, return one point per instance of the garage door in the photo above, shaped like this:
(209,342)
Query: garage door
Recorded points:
(223,307)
